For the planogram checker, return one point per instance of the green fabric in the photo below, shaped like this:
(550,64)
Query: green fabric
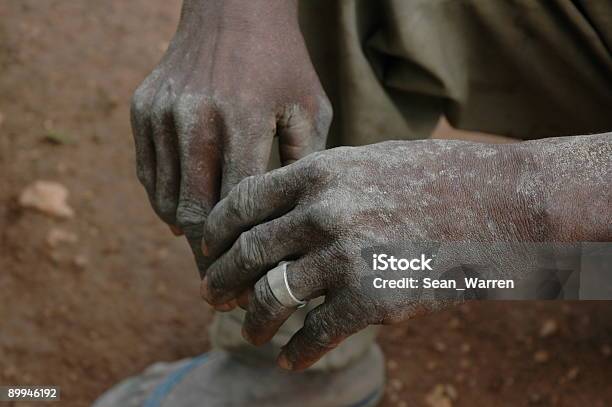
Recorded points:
(520,68)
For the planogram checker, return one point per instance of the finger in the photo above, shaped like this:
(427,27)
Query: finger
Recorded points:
(244,298)
(167,160)
(247,145)
(265,314)
(228,306)
(324,328)
(176,231)
(141,113)
(301,133)
(254,253)
(200,173)
(254,200)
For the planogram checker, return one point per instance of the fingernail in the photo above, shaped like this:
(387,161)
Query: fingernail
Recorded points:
(176,231)
(204,248)
(283,362)
(204,288)
(243,300)
(225,307)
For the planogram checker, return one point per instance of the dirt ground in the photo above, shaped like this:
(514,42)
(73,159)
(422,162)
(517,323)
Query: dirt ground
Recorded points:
(121,292)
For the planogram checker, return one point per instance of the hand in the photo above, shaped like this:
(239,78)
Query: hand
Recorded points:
(323,210)
(236,74)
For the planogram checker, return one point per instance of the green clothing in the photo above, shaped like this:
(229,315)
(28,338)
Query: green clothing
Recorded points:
(520,68)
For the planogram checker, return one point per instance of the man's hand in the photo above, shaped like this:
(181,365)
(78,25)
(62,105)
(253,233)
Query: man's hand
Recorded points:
(323,210)
(236,74)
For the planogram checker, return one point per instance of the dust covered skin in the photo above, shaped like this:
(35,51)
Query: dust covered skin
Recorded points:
(235,75)
(323,210)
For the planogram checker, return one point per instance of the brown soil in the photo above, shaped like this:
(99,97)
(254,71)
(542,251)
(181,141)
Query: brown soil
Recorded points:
(86,314)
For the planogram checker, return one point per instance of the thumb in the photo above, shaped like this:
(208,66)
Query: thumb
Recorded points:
(301,133)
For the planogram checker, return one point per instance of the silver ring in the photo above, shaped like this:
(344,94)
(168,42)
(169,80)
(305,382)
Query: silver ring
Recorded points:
(277,280)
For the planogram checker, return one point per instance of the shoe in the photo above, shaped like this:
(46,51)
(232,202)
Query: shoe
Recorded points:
(218,379)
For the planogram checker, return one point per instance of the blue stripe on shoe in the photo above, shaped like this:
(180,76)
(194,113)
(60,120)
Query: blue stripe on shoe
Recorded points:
(366,401)
(174,378)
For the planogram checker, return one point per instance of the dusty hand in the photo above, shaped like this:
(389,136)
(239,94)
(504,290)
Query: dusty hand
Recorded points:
(321,211)
(235,75)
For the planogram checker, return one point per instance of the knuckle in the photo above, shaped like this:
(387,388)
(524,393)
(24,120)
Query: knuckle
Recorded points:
(184,103)
(264,302)
(320,168)
(250,254)
(337,215)
(240,204)
(216,284)
(144,175)
(318,331)
(190,214)
(316,217)
(185,108)
(140,100)
(166,209)
(327,217)
(160,110)
(324,115)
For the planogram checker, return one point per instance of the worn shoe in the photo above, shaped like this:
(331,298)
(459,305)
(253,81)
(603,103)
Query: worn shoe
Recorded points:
(217,379)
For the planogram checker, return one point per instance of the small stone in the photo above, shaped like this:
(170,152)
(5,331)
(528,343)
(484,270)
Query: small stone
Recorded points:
(47,197)
(161,288)
(397,384)
(454,323)
(58,236)
(535,398)
(451,391)
(541,356)
(439,346)
(548,328)
(81,261)
(465,348)
(441,396)
(572,374)
(465,363)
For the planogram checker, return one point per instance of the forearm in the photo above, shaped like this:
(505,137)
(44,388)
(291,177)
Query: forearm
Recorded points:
(247,15)
(574,174)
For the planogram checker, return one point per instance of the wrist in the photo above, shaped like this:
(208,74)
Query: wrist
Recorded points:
(244,15)
(572,176)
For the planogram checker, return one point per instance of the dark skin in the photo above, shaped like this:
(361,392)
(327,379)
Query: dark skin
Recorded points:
(236,74)
(321,211)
